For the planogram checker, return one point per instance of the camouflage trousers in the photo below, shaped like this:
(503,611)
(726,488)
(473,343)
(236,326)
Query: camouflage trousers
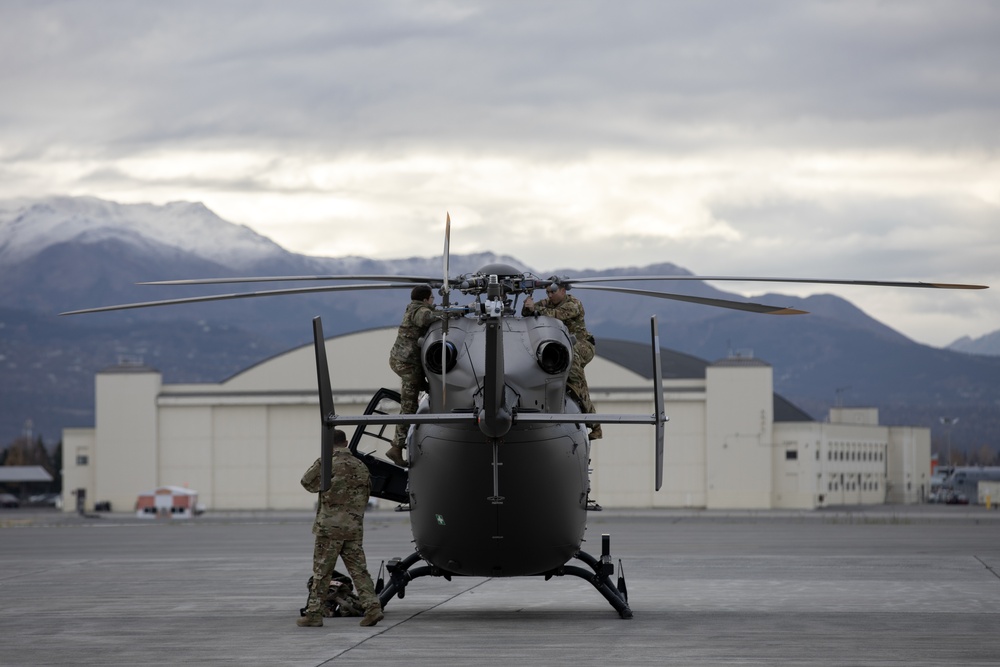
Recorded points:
(412,383)
(576,382)
(325,555)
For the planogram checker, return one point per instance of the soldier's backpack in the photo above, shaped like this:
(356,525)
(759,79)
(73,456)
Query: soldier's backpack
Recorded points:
(341,600)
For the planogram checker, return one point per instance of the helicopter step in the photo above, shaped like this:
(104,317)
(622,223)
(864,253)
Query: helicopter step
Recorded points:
(599,575)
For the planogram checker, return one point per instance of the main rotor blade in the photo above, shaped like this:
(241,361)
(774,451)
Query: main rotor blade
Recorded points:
(239,295)
(819,281)
(720,303)
(274,279)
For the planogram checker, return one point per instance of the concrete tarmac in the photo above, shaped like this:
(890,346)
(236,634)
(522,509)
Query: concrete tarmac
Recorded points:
(869,586)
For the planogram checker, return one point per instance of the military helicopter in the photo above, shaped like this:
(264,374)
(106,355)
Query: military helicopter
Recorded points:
(498,479)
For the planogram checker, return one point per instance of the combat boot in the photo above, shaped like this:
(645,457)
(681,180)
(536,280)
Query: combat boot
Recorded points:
(310,621)
(595,432)
(372,616)
(395,454)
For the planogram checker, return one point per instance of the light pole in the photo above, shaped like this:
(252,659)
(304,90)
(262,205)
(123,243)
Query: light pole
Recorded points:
(948,422)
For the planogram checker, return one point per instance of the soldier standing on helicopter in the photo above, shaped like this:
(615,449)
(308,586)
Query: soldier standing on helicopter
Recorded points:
(339,530)
(404,359)
(568,309)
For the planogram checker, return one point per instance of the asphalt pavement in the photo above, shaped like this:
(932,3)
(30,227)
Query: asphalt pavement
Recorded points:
(868,586)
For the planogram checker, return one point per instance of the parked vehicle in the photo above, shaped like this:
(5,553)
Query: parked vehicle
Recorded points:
(941,473)
(44,500)
(962,486)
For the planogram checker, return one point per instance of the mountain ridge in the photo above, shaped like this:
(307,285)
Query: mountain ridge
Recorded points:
(49,362)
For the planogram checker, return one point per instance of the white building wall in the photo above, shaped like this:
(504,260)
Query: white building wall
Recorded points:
(185,460)
(78,465)
(909,464)
(739,407)
(239,457)
(623,461)
(244,443)
(796,466)
(294,436)
(684,453)
(125,445)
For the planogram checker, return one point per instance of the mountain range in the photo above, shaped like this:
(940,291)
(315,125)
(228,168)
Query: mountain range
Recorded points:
(65,253)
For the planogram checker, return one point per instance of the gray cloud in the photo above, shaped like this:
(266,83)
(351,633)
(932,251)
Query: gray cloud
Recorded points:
(706,113)
(556,76)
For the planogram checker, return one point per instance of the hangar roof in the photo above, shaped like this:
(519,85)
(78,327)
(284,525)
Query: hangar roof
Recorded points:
(294,369)
(637,358)
(676,365)
(24,474)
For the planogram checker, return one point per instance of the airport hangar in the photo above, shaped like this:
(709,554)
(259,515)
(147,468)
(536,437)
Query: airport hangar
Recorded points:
(731,442)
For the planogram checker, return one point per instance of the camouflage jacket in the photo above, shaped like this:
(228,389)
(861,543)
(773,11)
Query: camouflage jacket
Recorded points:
(416,320)
(341,510)
(569,312)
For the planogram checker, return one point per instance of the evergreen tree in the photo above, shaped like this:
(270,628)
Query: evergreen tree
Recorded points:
(57,468)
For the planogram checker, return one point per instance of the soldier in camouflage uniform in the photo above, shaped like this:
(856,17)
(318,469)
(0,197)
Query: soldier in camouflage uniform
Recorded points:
(339,531)
(404,359)
(568,309)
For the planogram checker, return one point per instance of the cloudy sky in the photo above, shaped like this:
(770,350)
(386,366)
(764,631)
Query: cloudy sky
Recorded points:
(804,139)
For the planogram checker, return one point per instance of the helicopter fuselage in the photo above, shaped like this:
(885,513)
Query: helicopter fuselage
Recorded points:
(512,505)
(528,520)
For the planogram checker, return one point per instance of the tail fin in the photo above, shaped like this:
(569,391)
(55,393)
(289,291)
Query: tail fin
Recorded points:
(660,415)
(497,418)
(326,408)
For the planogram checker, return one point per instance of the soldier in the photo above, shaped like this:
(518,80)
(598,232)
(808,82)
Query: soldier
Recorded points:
(339,531)
(569,311)
(404,359)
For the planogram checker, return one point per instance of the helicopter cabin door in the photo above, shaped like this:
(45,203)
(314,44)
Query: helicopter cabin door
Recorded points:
(369,443)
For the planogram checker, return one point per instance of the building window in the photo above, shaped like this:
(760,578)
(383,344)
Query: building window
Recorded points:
(82,456)
(791,455)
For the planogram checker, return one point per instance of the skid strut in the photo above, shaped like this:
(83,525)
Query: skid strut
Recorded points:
(599,576)
(400,575)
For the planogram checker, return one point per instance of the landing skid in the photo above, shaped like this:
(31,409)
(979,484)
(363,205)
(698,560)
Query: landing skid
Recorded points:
(599,575)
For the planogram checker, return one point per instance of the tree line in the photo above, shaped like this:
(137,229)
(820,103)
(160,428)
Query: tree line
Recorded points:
(27,451)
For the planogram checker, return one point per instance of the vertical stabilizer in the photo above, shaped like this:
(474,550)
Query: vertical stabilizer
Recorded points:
(660,415)
(326,407)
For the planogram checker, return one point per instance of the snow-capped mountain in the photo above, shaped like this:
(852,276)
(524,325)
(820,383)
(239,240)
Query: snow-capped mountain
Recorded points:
(184,231)
(27,227)
(66,253)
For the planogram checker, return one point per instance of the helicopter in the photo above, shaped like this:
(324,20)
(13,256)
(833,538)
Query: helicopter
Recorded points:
(498,479)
